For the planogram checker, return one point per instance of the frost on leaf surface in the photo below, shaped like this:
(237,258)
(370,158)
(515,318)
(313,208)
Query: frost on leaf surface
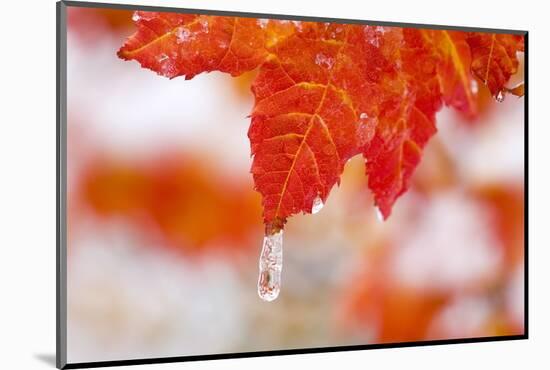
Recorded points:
(326,92)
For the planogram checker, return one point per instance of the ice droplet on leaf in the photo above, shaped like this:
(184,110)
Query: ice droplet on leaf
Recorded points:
(204,25)
(374,41)
(183,35)
(474,87)
(324,61)
(317,205)
(365,129)
(262,22)
(380,29)
(298,25)
(162,57)
(136,17)
(500,96)
(271,264)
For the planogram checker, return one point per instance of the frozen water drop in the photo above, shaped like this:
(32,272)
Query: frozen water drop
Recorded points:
(365,128)
(271,265)
(182,35)
(374,42)
(317,205)
(136,17)
(204,25)
(298,25)
(379,215)
(474,86)
(167,66)
(262,22)
(380,29)
(324,61)
(500,96)
(162,57)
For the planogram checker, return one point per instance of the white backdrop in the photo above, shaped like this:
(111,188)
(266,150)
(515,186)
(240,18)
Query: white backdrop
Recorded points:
(27,196)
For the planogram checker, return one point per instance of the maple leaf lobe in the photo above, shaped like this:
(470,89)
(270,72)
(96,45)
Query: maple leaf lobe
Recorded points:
(185,45)
(326,92)
(494,59)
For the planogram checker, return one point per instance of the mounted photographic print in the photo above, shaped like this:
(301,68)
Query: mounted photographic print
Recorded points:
(236,184)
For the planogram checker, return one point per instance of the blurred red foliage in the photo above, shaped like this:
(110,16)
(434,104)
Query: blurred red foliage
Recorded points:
(374,298)
(506,206)
(86,23)
(188,203)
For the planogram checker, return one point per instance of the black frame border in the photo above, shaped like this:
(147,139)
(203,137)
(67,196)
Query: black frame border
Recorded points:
(61,190)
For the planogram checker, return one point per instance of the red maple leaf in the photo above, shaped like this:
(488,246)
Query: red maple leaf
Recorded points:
(326,92)
(494,60)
